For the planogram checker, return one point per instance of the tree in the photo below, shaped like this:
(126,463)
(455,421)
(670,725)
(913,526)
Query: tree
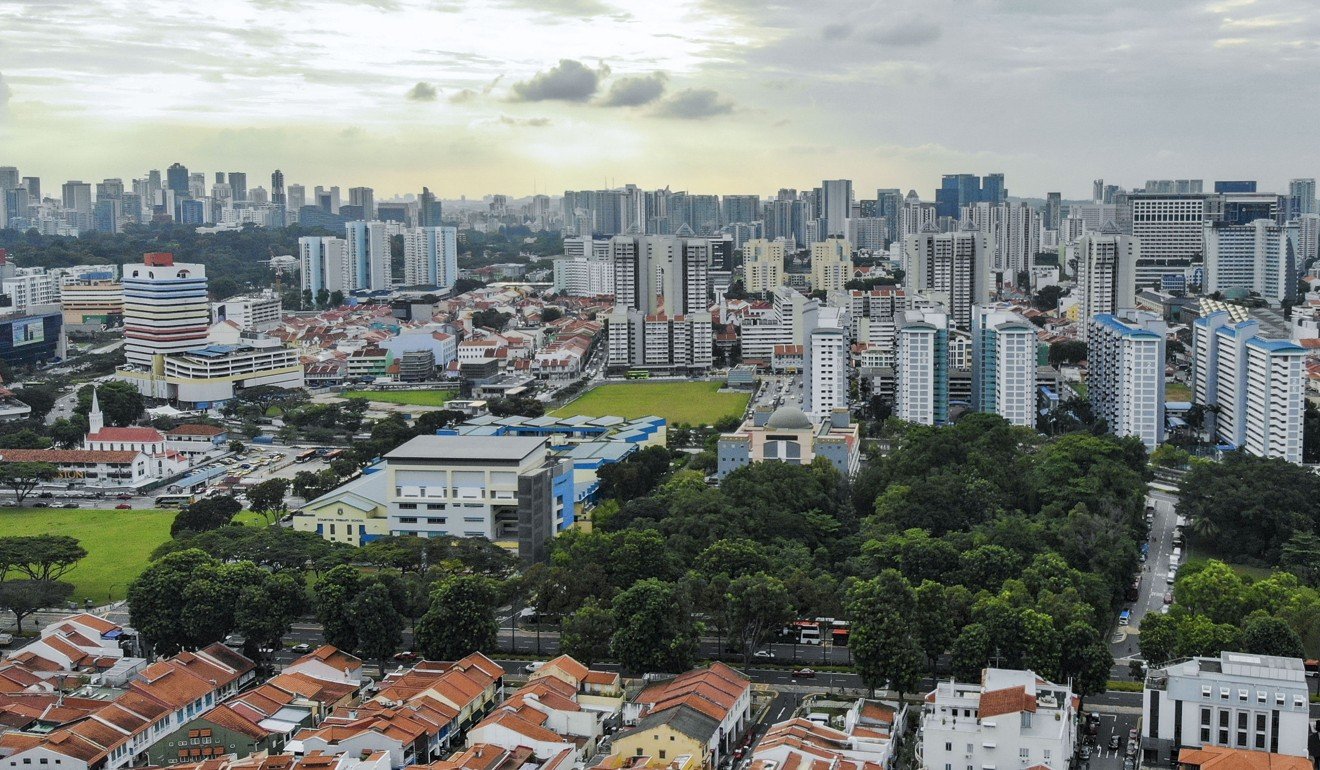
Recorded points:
(332,595)
(237,447)
(585,634)
(461,619)
(267,497)
(156,599)
(757,605)
(310,485)
(1158,638)
(23,477)
(406,553)
(120,402)
(1264,635)
(24,597)
(654,630)
(490,318)
(1067,352)
(24,439)
(971,652)
(41,557)
(733,557)
(883,639)
(551,314)
(203,515)
(379,625)
(1248,507)
(69,433)
(1300,555)
(1214,590)
(264,613)
(40,396)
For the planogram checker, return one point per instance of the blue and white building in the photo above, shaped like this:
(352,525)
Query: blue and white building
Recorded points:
(368,256)
(1004,364)
(1259,257)
(921,368)
(165,308)
(1125,381)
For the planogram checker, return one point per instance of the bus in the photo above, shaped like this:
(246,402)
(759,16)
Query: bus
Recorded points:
(175,501)
(333,454)
(304,456)
(638,374)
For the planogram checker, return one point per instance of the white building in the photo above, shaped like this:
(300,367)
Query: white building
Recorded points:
(165,308)
(1106,272)
(1125,381)
(825,385)
(1012,719)
(252,312)
(1252,702)
(661,317)
(591,275)
(831,264)
(1260,257)
(872,313)
(953,268)
(763,265)
(867,233)
(1013,230)
(921,368)
(30,286)
(324,265)
(1004,364)
(430,257)
(211,374)
(368,255)
(1171,228)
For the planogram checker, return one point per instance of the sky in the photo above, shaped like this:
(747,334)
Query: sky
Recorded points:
(473,97)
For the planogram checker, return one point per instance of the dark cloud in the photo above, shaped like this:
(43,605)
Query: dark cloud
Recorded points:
(695,104)
(422,92)
(461,97)
(910,32)
(569,80)
(836,31)
(533,122)
(636,91)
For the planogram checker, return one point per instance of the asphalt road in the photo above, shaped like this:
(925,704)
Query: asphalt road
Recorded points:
(1154,579)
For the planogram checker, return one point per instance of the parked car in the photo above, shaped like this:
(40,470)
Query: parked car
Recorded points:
(767,654)
(1084,754)
(407,656)
(532,667)
(69,505)
(804,673)
(40,504)
(123,496)
(1168,597)
(1114,740)
(301,647)
(123,507)
(46,495)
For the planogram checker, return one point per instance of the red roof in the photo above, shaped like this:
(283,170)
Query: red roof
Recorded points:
(1011,700)
(195,430)
(126,434)
(68,456)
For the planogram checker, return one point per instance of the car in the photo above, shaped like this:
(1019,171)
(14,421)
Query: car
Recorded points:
(69,505)
(533,667)
(123,496)
(233,642)
(123,507)
(765,654)
(46,495)
(1114,740)
(407,656)
(738,753)
(301,647)
(804,673)
(1168,597)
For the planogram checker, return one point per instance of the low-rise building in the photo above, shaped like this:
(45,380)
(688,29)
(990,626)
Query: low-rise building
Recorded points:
(869,740)
(789,435)
(214,373)
(702,713)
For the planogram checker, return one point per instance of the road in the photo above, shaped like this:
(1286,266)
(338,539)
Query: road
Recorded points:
(1154,578)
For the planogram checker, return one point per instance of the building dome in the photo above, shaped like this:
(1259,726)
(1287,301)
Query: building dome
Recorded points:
(788,418)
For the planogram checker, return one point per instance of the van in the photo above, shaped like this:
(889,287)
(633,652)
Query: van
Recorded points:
(1176,557)
(1124,617)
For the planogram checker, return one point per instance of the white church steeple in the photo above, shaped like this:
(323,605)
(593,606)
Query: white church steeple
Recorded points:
(95,420)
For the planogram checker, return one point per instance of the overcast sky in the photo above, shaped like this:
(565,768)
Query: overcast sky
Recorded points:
(729,96)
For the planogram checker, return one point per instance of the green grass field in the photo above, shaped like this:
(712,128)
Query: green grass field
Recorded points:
(117,542)
(408,397)
(1176,391)
(693,403)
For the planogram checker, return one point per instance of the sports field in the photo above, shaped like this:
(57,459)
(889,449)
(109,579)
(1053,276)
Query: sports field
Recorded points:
(408,397)
(117,542)
(692,403)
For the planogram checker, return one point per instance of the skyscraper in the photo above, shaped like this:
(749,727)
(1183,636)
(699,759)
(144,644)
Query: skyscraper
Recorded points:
(165,308)
(277,195)
(763,265)
(368,256)
(324,265)
(1260,257)
(921,368)
(364,197)
(1106,272)
(177,179)
(1301,193)
(430,257)
(741,208)
(1053,210)
(889,204)
(78,197)
(661,317)
(9,178)
(238,183)
(1125,383)
(952,267)
(825,375)
(1004,364)
(428,210)
(297,197)
(1171,230)
(836,206)
(958,190)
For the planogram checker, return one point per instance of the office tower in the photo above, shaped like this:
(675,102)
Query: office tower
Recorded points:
(825,366)
(430,257)
(277,194)
(1106,272)
(1053,210)
(107,215)
(33,185)
(953,268)
(297,197)
(110,188)
(219,178)
(78,199)
(763,265)
(154,182)
(867,233)
(993,189)
(324,265)
(428,209)
(741,208)
(9,178)
(1236,186)
(1260,257)
(238,183)
(28,286)
(368,255)
(1004,364)
(921,368)
(959,190)
(1172,234)
(366,198)
(1125,383)
(1098,191)
(1302,194)
(661,316)
(177,179)
(192,211)
(836,206)
(165,308)
(197,185)
(889,205)
(831,264)
(15,206)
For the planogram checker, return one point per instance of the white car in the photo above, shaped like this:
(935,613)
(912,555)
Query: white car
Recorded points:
(533,667)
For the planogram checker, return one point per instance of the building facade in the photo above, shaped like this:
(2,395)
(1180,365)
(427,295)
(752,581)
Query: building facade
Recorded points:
(1004,364)
(165,308)
(1125,382)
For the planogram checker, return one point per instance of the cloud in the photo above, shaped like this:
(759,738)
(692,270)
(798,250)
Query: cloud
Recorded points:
(580,8)
(569,80)
(836,31)
(695,104)
(533,122)
(636,91)
(486,89)
(462,97)
(5,93)
(422,92)
(912,32)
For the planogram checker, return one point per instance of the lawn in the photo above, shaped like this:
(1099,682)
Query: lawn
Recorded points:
(117,542)
(408,397)
(693,403)
(1176,391)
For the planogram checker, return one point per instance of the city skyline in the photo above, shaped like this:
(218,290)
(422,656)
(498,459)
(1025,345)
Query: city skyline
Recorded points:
(720,96)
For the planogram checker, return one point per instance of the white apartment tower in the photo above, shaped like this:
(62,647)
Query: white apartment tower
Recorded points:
(324,265)
(1261,257)
(661,316)
(1004,364)
(1107,271)
(430,257)
(921,368)
(368,256)
(1126,379)
(1014,231)
(763,265)
(165,308)
(826,376)
(953,267)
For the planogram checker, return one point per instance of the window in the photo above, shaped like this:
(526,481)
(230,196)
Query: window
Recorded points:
(408,506)
(948,747)
(1025,753)
(662,753)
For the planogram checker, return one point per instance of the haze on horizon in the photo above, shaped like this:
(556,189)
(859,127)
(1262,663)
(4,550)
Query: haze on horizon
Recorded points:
(725,96)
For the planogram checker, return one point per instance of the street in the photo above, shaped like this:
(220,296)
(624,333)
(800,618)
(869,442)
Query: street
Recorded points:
(1154,582)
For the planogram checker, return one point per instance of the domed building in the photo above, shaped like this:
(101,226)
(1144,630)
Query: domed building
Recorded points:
(789,435)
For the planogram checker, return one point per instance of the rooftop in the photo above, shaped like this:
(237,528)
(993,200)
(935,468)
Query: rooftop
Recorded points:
(442,448)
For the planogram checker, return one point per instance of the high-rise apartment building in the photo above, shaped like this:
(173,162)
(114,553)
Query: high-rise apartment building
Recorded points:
(1125,383)
(661,317)
(1053,213)
(921,368)
(867,233)
(1261,257)
(364,197)
(430,257)
(763,265)
(1171,228)
(831,264)
(324,265)
(165,308)
(1106,272)
(587,272)
(368,255)
(429,209)
(836,206)
(825,366)
(953,268)
(889,205)
(1014,231)
(1301,195)
(741,208)
(1004,364)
